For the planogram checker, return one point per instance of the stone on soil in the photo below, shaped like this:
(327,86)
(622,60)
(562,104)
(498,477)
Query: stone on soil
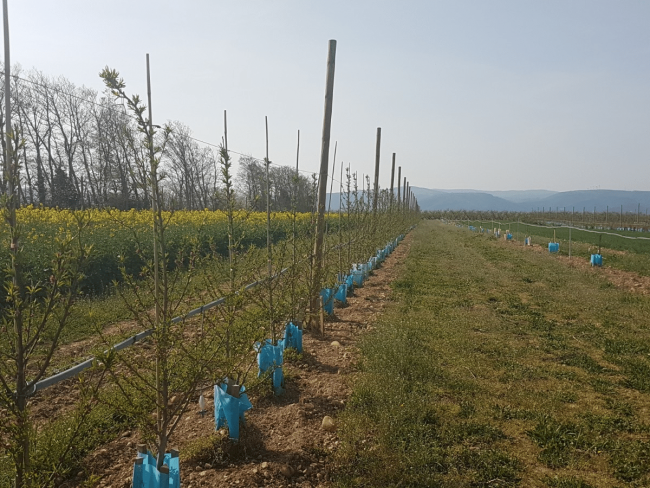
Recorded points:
(328,425)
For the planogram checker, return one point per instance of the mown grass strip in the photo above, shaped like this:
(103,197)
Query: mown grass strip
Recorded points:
(500,367)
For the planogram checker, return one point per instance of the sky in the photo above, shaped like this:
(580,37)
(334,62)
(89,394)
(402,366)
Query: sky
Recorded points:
(498,95)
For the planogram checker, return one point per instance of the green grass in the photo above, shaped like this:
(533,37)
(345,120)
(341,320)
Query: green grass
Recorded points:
(495,366)
(625,254)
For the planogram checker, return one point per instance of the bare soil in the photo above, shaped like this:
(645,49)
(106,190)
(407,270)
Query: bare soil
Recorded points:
(282,443)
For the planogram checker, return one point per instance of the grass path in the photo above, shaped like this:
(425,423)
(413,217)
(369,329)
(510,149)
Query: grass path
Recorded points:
(496,366)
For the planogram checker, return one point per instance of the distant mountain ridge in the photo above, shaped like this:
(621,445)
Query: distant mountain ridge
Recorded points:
(527,200)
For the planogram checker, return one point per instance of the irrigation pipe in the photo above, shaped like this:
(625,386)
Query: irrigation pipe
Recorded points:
(77,369)
(569,227)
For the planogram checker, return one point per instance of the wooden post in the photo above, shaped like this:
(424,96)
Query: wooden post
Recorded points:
(269,257)
(399,188)
(404,195)
(408,195)
(158,295)
(294,205)
(8,173)
(376,188)
(392,181)
(322,184)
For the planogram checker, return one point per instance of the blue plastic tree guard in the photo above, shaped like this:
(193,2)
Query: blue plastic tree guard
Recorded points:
(271,357)
(230,410)
(596,260)
(553,247)
(357,277)
(342,293)
(146,475)
(509,236)
(293,337)
(349,281)
(328,300)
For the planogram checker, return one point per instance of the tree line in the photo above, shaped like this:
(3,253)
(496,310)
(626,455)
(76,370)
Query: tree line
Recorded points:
(80,148)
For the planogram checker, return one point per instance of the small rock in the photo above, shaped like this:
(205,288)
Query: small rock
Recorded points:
(264,465)
(254,470)
(328,424)
(207,466)
(336,344)
(286,471)
(80,474)
(203,473)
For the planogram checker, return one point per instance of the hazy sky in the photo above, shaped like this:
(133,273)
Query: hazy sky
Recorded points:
(492,95)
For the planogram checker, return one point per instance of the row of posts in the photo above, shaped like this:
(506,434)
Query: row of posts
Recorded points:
(405,198)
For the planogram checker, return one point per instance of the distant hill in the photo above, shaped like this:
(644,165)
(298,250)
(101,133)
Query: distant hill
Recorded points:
(526,200)
(520,196)
(462,201)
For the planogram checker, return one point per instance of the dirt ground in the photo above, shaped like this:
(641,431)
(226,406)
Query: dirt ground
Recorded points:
(283,443)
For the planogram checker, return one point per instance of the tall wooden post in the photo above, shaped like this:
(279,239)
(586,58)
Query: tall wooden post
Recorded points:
(156,265)
(399,187)
(269,255)
(408,195)
(294,205)
(322,184)
(376,188)
(404,195)
(392,181)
